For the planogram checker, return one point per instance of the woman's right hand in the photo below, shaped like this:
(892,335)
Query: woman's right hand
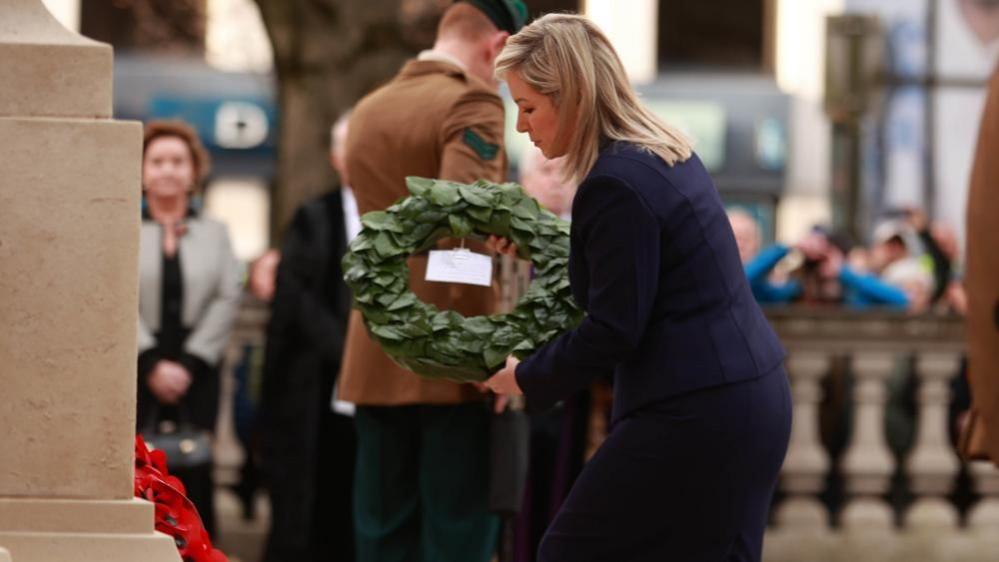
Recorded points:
(169,381)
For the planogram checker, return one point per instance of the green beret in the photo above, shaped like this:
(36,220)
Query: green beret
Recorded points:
(508,15)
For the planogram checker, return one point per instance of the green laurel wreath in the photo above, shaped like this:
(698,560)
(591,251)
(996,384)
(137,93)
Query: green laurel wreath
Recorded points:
(444,344)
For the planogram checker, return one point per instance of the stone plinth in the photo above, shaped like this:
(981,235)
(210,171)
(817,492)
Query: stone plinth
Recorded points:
(68,300)
(69,221)
(49,70)
(55,530)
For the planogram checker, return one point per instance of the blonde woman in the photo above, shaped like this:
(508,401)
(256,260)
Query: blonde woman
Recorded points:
(702,413)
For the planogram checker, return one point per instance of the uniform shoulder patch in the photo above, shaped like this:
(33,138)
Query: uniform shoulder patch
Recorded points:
(485,150)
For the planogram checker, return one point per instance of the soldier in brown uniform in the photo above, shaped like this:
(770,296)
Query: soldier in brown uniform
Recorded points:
(982,275)
(422,460)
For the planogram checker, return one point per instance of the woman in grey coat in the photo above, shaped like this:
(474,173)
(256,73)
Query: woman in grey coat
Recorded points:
(189,290)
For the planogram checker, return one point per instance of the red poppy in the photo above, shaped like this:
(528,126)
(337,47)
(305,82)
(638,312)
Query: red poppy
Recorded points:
(175,514)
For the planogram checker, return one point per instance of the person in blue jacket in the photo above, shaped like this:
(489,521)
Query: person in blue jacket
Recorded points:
(702,411)
(760,264)
(759,269)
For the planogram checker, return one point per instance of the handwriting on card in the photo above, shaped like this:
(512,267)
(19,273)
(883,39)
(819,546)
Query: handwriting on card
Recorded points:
(460,266)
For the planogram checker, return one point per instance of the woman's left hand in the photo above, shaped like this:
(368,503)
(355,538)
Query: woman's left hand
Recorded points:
(504,383)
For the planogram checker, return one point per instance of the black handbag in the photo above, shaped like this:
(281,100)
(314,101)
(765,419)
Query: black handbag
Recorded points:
(509,441)
(185,445)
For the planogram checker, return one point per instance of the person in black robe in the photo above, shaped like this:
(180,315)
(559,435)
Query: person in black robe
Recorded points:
(307,448)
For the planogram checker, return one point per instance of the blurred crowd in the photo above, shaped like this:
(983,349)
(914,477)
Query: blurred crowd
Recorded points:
(910,264)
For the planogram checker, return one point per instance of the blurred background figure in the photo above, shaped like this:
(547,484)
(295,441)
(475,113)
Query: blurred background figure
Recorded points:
(247,376)
(262,279)
(308,442)
(908,234)
(893,240)
(543,180)
(189,289)
(914,279)
(747,233)
(767,287)
(942,255)
(338,160)
(558,436)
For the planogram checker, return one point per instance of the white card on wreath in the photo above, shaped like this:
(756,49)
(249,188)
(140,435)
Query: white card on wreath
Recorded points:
(460,266)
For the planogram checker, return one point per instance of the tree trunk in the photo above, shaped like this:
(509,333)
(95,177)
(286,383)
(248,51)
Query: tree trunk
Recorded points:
(175,27)
(327,55)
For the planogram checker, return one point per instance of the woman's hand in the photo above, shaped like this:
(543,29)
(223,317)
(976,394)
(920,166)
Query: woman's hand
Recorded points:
(504,384)
(501,245)
(169,381)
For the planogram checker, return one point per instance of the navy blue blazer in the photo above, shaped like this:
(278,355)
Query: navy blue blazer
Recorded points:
(654,264)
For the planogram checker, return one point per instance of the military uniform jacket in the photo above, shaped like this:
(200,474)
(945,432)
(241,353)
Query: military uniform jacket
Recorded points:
(432,120)
(982,275)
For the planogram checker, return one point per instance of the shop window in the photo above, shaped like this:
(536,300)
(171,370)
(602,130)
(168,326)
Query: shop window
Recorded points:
(716,35)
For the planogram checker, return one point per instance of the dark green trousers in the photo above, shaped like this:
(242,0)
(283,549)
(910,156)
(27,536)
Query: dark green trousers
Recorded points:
(421,484)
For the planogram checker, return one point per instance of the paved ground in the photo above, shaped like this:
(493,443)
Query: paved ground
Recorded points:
(241,541)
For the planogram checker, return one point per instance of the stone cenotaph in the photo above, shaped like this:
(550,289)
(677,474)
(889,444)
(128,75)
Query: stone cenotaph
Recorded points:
(69,231)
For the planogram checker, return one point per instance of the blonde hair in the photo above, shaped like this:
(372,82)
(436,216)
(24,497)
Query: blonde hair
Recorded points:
(567,58)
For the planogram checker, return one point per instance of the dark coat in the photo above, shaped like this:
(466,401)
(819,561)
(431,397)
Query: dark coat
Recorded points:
(304,344)
(654,264)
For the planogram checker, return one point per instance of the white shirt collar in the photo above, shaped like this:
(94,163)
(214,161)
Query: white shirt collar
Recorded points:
(437,56)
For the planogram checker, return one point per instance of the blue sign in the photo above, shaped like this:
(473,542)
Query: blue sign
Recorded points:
(231,123)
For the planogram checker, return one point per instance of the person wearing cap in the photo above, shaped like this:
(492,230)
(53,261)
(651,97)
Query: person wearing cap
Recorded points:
(421,483)
(892,240)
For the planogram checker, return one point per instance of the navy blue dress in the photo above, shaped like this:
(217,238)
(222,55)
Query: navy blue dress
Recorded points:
(702,411)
